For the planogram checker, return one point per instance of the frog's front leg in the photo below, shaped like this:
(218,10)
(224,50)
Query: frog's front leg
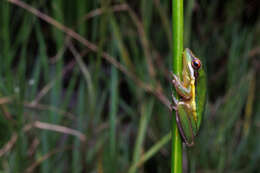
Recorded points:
(180,88)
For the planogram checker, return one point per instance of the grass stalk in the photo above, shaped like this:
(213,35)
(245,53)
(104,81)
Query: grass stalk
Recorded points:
(112,119)
(177,30)
(151,152)
(146,112)
(55,71)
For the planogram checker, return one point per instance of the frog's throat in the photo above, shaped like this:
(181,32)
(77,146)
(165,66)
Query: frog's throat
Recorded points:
(193,100)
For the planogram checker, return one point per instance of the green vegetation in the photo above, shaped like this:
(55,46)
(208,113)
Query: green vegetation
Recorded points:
(177,49)
(88,89)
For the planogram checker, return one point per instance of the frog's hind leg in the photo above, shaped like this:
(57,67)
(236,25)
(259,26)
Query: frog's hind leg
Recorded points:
(185,124)
(175,103)
(181,131)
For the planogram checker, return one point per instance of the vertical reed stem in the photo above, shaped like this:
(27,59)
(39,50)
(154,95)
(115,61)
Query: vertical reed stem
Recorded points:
(177,30)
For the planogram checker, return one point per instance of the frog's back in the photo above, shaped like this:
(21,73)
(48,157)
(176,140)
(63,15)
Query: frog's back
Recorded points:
(201,95)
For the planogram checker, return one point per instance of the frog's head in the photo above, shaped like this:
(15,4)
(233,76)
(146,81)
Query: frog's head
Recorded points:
(191,64)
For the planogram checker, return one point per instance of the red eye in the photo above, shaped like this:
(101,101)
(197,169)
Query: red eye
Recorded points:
(196,64)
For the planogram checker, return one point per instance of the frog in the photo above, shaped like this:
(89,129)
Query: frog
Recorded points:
(191,92)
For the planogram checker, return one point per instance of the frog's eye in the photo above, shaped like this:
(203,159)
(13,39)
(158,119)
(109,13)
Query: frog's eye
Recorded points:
(196,64)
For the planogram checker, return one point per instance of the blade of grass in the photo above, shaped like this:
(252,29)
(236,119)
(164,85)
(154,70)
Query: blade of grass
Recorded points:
(188,21)
(77,155)
(177,30)
(165,20)
(121,46)
(151,152)
(93,48)
(112,118)
(146,111)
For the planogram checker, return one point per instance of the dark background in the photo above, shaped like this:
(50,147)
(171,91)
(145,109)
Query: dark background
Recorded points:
(68,106)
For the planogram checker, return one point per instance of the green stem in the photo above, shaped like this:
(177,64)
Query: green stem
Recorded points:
(177,30)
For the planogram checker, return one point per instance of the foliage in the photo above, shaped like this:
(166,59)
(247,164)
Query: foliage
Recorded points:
(98,101)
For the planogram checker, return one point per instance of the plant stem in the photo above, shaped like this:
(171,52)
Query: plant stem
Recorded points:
(177,30)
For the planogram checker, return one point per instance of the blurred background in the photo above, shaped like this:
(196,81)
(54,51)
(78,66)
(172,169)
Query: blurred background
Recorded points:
(85,85)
